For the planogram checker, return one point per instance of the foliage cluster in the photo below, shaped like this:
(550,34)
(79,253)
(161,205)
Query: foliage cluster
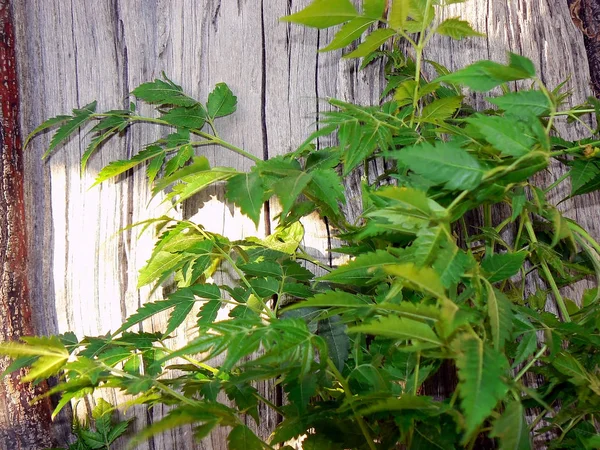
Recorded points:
(423,291)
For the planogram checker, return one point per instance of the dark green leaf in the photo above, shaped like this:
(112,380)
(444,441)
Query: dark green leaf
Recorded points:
(500,317)
(523,102)
(163,93)
(443,163)
(242,438)
(480,371)
(485,75)
(221,101)
(80,116)
(506,134)
(333,331)
(501,266)
(511,428)
(190,117)
(246,190)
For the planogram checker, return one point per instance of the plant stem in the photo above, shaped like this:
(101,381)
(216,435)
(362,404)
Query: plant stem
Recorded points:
(537,356)
(418,63)
(575,149)
(562,307)
(562,178)
(211,138)
(348,393)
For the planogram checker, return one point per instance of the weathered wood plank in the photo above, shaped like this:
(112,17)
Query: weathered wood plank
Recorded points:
(73,52)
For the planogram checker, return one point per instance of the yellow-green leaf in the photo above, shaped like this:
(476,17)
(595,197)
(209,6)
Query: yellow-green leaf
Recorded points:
(324,14)
(398,328)
(423,279)
(371,43)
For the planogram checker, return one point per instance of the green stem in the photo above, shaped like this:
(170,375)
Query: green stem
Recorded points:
(562,307)
(575,149)
(209,137)
(348,393)
(562,178)
(418,63)
(192,361)
(536,357)
(417,369)
(227,145)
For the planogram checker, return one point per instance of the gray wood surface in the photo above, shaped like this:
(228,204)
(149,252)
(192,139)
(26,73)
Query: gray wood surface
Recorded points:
(83,272)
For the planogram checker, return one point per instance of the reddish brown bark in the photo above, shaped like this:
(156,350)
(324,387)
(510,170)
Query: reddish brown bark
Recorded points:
(22,426)
(586,17)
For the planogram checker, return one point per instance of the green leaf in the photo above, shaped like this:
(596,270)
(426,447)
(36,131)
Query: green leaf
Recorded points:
(398,328)
(485,75)
(242,438)
(398,14)
(18,364)
(501,266)
(584,173)
(301,391)
(163,93)
(35,346)
(480,371)
(457,29)
(289,189)
(182,300)
(443,163)
(221,101)
(569,366)
(95,143)
(526,347)
(44,367)
(58,120)
(333,331)
(423,279)
(208,312)
(118,167)
(246,190)
(371,43)
(348,33)
(80,116)
(427,245)
(331,299)
(451,264)
(522,63)
(117,431)
(363,270)
(406,402)
(504,133)
(523,102)
(374,8)
(511,428)
(92,439)
(198,181)
(182,117)
(324,14)
(440,109)
(500,317)
(183,155)
(327,190)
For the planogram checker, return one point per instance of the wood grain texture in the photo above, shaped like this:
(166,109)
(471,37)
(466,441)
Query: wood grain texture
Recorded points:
(71,52)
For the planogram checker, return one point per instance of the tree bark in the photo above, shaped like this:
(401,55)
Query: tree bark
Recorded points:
(22,426)
(586,16)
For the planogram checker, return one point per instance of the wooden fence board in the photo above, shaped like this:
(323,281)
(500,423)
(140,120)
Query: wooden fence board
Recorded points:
(71,52)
